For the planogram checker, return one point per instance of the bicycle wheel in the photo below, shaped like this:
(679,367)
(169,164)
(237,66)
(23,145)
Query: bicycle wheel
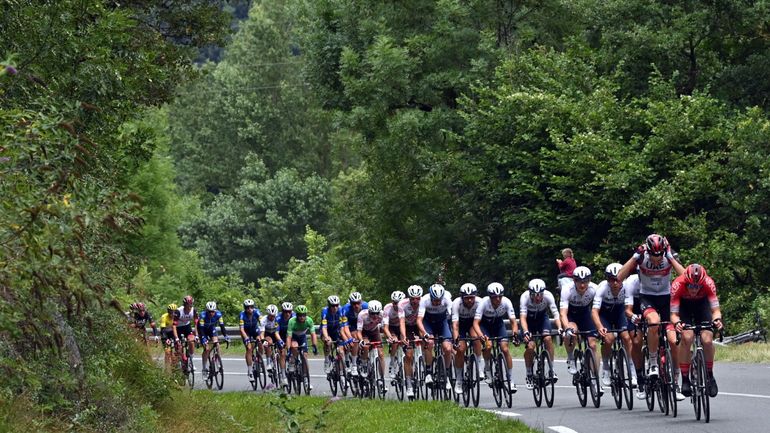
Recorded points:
(695,381)
(538,385)
(305,374)
(297,375)
(616,380)
(378,377)
(671,381)
(254,372)
(424,391)
(648,388)
(398,381)
(579,379)
(467,381)
(209,377)
(593,378)
(219,371)
(624,368)
(497,380)
(342,378)
(333,376)
(550,383)
(475,381)
(703,386)
(190,372)
(262,377)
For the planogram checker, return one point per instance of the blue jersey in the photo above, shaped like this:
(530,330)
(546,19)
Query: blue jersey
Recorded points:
(351,315)
(283,324)
(333,321)
(206,321)
(249,323)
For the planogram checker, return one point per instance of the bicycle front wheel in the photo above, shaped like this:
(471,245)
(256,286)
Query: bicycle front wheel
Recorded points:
(672,382)
(538,380)
(219,372)
(190,372)
(474,381)
(624,368)
(497,380)
(548,375)
(616,379)
(593,378)
(579,379)
(305,374)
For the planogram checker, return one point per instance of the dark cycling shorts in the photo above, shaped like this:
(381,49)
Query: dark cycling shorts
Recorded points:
(437,328)
(493,328)
(251,333)
(694,311)
(659,303)
(373,336)
(167,337)
(581,316)
(208,332)
(333,332)
(412,332)
(464,327)
(282,333)
(538,324)
(614,317)
(301,340)
(184,331)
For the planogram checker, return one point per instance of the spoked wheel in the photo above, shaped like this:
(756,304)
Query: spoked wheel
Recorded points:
(424,389)
(219,371)
(261,377)
(507,385)
(342,378)
(648,388)
(616,381)
(333,379)
(550,382)
(672,383)
(593,378)
(305,375)
(468,380)
(579,381)
(538,382)
(378,377)
(209,377)
(624,368)
(696,381)
(497,381)
(254,372)
(297,377)
(398,382)
(661,393)
(474,382)
(190,376)
(703,386)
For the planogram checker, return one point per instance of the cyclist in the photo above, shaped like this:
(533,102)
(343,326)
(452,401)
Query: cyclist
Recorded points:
(654,263)
(269,334)
(331,322)
(534,305)
(296,335)
(287,314)
(575,309)
(208,322)
(694,301)
(633,317)
(390,313)
(609,313)
(350,311)
(463,311)
(431,321)
(368,330)
(183,328)
(408,310)
(248,324)
(167,324)
(141,317)
(489,322)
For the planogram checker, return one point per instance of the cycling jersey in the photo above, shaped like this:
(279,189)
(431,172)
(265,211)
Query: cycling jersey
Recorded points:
(434,312)
(283,323)
(333,320)
(654,279)
(297,328)
(142,321)
(604,299)
(351,315)
(250,323)
(407,312)
(462,313)
(486,311)
(208,324)
(390,312)
(185,318)
(527,305)
(270,326)
(368,322)
(679,293)
(570,298)
(167,321)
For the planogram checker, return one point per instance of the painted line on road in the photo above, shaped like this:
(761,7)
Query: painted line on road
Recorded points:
(561,429)
(736,394)
(559,361)
(502,413)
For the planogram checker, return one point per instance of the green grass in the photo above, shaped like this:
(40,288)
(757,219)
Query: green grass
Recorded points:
(748,352)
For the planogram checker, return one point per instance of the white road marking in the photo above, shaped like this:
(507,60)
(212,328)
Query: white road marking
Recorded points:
(561,429)
(502,413)
(736,394)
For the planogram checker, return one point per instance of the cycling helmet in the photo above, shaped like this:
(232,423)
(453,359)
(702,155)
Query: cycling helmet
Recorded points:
(397,296)
(333,300)
(436,291)
(286,306)
(188,300)
(414,291)
(375,307)
(656,244)
(468,289)
(612,270)
(581,273)
(248,303)
(272,310)
(211,306)
(355,297)
(301,309)
(536,286)
(133,307)
(694,274)
(171,307)
(495,289)
(140,306)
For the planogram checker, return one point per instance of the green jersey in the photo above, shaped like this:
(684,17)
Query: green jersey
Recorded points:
(300,328)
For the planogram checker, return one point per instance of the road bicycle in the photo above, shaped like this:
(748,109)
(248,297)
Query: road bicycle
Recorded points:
(298,378)
(277,372)
(216,372)
(471,377)
(417,378)
(620,372)
(698,374)
(186,364)
(370,372)
(543,377)
(663,387)
(441,386)
(586,378)
(338,380)
(759,333)
(500,383)
(398,380)
(258,372)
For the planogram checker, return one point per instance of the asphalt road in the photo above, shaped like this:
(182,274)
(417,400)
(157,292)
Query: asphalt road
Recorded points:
(742,406)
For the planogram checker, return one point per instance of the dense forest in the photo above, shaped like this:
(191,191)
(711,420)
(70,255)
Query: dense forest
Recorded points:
(291,149)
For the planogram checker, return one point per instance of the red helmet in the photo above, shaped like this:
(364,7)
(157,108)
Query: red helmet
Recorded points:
(188,300)
(695,274)
(656,244)
(140,306)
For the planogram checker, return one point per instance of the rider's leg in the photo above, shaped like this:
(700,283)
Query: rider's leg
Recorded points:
(652,318)
(460,361)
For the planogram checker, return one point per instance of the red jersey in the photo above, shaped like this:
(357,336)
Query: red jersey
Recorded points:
(567,266)
(680,292)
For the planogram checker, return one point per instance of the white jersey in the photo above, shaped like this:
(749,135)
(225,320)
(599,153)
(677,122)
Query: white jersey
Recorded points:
(528,306)
(654,279)
(571,298)
(460,311)
(369,322)
(270,326)
(427,307)
(407,312)
(605,297)
(390,312)
(185,318)
(489,312)
(632,287)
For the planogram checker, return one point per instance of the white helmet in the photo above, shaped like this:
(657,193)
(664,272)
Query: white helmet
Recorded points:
(612,270)
(397,296)
(495,289)
(375,307)
(436,291)
(287,306)
(414,291)
(355,297)
(333,300)
(248,303)
(272,310)
(211,306)
(581,273)
(468,289)
(537,286)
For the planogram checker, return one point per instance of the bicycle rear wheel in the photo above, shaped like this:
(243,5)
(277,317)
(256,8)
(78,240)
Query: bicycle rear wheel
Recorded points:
(219,370)
(305,374)
(695,381)
(497,380)
(550,382)
(616,379)
(703,386)
(671,381)
(593,378)
(579,379)
(624,367)
(190,377)
(538,380)
(475,381)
